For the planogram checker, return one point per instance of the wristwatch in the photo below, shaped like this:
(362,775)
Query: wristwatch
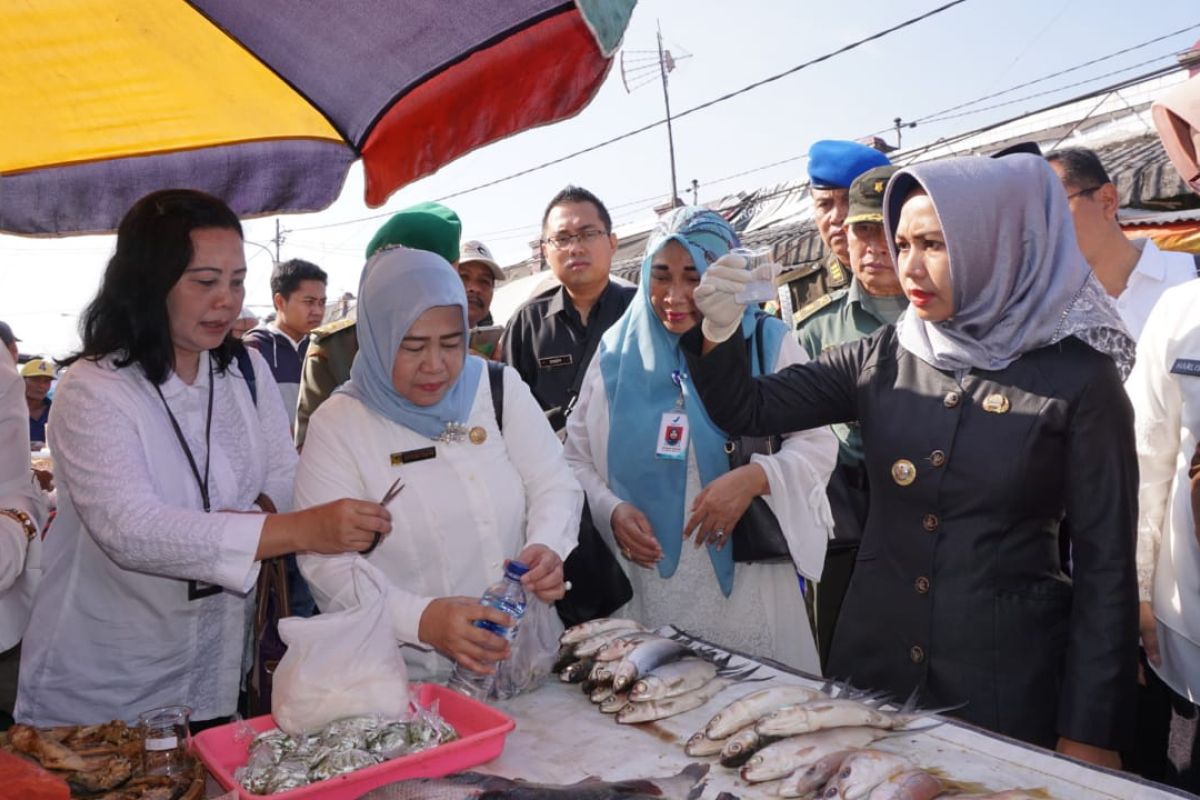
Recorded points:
(26,521)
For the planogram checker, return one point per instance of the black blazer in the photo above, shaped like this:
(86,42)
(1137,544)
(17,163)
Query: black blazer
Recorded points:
(958,591)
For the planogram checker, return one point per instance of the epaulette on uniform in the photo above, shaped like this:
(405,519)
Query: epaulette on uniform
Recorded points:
(331,328)
(816,305)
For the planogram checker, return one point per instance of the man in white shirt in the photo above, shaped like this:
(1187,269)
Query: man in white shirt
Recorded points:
(1134,272)
(21,517)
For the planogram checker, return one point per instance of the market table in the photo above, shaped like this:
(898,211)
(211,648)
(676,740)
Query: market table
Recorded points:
(561,737)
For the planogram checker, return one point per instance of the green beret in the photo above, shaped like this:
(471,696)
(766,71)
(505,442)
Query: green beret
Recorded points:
(425,226)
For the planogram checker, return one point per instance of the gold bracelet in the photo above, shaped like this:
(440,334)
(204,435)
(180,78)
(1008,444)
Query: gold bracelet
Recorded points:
(26,521)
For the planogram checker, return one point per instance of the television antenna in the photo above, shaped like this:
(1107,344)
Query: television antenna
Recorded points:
(640,68)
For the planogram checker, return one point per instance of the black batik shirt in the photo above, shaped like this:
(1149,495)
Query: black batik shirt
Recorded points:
(546,341)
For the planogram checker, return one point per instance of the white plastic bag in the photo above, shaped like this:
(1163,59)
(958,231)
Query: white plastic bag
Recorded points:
(533,651)
(343,664)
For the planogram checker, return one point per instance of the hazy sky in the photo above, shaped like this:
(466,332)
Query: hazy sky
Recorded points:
(975,49)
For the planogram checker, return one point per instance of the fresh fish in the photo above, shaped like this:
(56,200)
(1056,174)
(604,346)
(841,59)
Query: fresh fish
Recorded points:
(670,706)
(601,693)
(804,782)
(836,712)
(687,785)
(916,784)
(589,647)
(1007,794)
(795,753)
(863,771)
(566,655)
(752,707)
(701,745)
(742,745)
(600,672)
(579,633)
(645,657)
(576,672)
(615,702)
(673,679)
(621,646)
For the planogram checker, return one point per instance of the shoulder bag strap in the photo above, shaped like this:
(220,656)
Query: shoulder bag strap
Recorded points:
(495,371)
(242,356)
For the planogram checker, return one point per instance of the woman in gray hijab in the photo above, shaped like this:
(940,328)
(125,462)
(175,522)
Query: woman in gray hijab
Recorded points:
(992,411)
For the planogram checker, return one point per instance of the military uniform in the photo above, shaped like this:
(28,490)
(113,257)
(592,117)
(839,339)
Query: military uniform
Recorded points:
(331,350)
(809,283)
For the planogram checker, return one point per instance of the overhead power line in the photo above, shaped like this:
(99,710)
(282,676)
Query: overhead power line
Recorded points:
(651,126)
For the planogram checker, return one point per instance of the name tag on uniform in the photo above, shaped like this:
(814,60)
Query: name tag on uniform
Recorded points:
(413,456)
(550,362)
(673,436)
(1186,366)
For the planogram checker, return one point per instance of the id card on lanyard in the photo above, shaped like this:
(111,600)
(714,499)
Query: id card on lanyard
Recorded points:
(197,589)
(672,440)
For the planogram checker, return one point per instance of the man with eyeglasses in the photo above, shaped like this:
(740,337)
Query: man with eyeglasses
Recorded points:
(1134,272)
(551,338)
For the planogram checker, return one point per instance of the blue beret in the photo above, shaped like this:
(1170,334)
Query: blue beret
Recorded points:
(834,163)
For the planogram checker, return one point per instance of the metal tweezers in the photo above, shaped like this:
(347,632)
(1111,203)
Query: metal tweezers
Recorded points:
(387,498)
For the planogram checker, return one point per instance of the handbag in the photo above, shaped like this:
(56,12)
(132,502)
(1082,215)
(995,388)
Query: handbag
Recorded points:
(271,605)
(757,537)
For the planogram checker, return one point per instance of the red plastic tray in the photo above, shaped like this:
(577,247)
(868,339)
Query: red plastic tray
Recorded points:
(480,727)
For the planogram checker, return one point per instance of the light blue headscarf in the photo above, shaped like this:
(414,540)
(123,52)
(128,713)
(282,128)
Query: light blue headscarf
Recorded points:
(637,358)
(399,285)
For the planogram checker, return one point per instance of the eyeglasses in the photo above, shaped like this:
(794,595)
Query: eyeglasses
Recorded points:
(563,241)
(1088,192)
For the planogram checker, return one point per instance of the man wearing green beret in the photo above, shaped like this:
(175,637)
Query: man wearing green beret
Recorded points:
(331,349)
(873,299)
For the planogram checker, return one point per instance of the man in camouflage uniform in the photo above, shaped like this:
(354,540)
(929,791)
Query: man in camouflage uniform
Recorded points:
(332,347)
(832,165)
(873,299)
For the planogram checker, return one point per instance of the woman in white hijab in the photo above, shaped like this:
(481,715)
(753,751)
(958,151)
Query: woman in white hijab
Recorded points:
(990,411)
(419,408)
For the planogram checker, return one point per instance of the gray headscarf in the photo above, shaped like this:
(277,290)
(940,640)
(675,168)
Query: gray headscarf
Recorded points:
(1018,279)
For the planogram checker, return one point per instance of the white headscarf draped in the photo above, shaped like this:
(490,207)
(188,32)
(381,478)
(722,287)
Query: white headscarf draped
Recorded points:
(1018,279)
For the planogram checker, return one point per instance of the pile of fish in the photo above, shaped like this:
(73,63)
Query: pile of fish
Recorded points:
(687,785)
(819,745)
(279,762)
(640,676)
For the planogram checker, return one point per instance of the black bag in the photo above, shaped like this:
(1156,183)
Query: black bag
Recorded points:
(272,602)
(757,536)
(598,584)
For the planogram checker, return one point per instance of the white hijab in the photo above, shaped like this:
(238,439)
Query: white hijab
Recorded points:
(1018,279)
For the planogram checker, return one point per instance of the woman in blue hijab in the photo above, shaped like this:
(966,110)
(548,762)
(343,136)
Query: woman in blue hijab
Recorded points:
(657,476)
(420,409)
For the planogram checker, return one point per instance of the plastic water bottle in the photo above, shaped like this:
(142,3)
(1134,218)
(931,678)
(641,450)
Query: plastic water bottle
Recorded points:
(505,595)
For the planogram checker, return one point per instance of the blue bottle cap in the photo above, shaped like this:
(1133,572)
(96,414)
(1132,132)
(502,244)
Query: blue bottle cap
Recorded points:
(515,569)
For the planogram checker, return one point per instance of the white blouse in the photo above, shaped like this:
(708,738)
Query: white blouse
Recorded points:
(1164,388)
(765,614)
(461,513)
(20,560)
(113,632)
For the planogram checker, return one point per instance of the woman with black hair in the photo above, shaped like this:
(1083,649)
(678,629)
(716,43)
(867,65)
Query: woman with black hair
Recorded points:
(171,443)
